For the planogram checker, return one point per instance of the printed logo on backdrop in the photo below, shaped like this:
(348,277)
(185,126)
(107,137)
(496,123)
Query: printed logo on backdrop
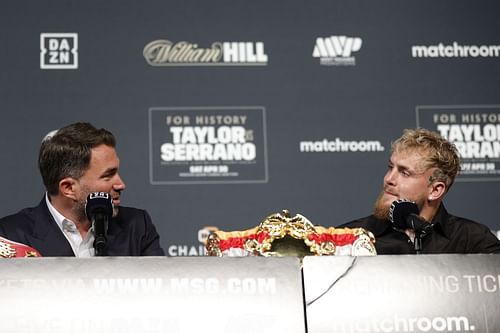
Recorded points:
(58,51)
(337,50)
(208,145)
(183,250)
(455,50)
(339,145)
(164,52)
(475,131)
(425,298)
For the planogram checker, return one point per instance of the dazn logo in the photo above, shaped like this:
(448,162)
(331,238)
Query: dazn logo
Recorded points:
(58,50)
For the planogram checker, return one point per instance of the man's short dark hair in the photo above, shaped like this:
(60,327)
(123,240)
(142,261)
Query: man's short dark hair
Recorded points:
(67,153)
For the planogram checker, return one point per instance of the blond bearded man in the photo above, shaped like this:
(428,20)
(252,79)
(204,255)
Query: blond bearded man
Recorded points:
(422,168)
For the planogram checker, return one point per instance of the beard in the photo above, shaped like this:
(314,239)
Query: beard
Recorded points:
(81,203)
(115,210)
(79,210)
(381,208)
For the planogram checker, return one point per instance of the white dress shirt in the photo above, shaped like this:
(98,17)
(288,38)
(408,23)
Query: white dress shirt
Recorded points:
(82,247)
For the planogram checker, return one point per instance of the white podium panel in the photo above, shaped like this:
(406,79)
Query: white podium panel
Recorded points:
(151,294)
(409,293)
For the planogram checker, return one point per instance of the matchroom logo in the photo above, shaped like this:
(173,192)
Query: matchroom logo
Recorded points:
(58,51)
(337,50)
(208,145)
(455,50)
(164,52)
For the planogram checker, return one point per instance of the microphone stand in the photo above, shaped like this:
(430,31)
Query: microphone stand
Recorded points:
(100,222)
(421,229)
(100,245)
(418,242)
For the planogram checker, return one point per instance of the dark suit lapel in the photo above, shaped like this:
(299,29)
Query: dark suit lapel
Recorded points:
(47,237)
(114,229)
(117,239)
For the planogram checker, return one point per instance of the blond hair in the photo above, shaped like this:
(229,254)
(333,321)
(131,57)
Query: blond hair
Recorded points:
(437,152)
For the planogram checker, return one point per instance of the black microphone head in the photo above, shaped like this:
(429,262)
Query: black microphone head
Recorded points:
(99,202)
(399,212)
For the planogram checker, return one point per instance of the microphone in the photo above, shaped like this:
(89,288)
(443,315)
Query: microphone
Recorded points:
(99,210)
(400,211)
(403,214)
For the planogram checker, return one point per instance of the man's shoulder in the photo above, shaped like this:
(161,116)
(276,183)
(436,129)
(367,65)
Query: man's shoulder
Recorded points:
(135,225)
(452,223)
(475,236)
(465,224)
(359,222)
(130,210)
(33,221)
(24,217)
(376,226)
(130,217)
(125,212)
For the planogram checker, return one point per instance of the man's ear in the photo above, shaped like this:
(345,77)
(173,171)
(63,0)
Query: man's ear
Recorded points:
(437,191)
(67,187)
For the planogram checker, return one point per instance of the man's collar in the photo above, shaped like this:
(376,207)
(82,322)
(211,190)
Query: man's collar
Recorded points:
(379,227)
(60,219)
(439,221)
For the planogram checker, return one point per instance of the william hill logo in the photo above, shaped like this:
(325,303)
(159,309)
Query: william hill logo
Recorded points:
(163,52)
(337,50)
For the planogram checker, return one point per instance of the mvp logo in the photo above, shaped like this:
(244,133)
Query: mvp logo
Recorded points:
(336,46)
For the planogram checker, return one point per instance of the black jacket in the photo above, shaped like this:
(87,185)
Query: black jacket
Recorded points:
(130,233)
(451,234)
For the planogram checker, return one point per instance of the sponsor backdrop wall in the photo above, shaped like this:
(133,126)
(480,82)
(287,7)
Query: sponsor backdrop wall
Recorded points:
(229,111)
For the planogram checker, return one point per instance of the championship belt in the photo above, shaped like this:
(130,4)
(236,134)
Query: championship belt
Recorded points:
(11,249)
(282,235)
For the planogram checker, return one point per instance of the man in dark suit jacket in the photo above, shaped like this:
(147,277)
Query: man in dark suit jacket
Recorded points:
(76,161)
